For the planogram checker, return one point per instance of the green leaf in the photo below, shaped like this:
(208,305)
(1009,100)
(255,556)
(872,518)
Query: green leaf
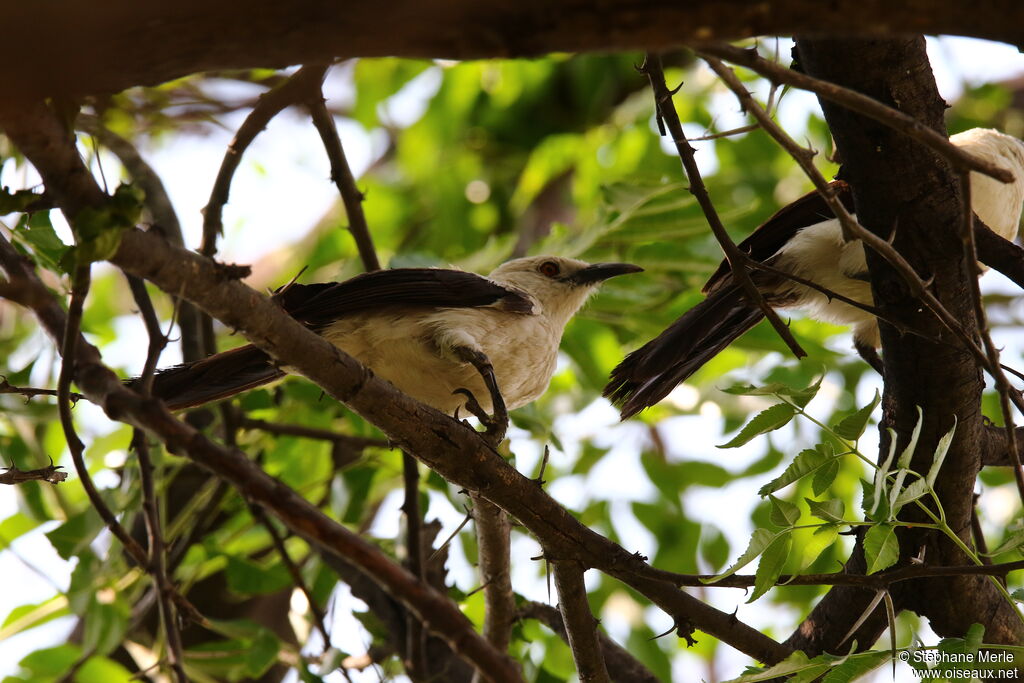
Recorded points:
(248,578)
(822,538)
(50,663)
(766,421)
(16,202)
(105,625)
(879,484)
(103,670)
(714,547)
(881,547)
(940,454)
(908,453)
(38,233)
(794,664)
(98,230)
(912,492)
(773,561)
(74,535)
(852,426)
(824,477)
(806,462)
(783,513)
(758,542)
(855,667)
(801,397)
(828,510)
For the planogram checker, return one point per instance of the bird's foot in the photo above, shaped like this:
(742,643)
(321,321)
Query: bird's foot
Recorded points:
(870,356)
(495,425)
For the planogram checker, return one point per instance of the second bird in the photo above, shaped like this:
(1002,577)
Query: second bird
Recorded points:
(804,239)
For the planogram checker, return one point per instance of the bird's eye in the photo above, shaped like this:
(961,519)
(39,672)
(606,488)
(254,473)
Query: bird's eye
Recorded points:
(549,269)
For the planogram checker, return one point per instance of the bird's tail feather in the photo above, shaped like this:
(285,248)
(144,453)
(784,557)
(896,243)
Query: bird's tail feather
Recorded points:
(648,374)
(219,376)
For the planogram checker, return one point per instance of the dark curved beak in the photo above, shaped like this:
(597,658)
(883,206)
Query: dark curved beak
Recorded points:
(599,272)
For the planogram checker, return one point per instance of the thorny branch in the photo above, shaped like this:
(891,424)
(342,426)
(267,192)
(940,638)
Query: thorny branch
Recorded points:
(51,473)
(851,99)
(991,352)
(342,176)
(850,224)
(150,505)
(666,113)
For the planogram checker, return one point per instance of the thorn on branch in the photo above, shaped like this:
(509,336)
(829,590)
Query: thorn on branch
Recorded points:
(12,475)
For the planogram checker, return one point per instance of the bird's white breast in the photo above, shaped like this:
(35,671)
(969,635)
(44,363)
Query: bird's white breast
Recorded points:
(414,352)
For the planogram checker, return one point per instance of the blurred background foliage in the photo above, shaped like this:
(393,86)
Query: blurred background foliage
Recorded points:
(470,164)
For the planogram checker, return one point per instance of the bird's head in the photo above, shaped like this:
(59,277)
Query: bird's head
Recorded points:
(560,285)
(998,204)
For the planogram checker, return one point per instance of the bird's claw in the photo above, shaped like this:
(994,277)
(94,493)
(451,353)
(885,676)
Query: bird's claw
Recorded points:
(495,425)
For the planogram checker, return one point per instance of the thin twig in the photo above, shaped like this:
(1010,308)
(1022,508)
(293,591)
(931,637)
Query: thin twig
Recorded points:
(150,505)
(854,101)
(876,581)
(451,537)
(319,618)
(342,176)
(158,558)
(31,392)
(992,353)
(79,289)
(359,442)
(269,105)
(667,114)
(416,642)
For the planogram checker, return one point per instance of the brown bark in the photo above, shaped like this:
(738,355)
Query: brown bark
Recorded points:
(73,48)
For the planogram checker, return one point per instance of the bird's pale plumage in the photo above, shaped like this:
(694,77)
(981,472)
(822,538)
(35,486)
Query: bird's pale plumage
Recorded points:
(805,239)
(409,325)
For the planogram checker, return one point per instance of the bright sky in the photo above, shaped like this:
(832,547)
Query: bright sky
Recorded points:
(282,188)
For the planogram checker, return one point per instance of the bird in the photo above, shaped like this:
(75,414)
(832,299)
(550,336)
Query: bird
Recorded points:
(804,239)
(449,338)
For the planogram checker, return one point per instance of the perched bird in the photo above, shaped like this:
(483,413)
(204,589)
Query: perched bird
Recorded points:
(448,338)
(804,239)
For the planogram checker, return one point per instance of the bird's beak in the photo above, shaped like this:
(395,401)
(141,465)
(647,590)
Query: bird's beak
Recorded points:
(599,272)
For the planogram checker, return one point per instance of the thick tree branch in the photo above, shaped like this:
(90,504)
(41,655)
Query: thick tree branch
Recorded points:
(102,49)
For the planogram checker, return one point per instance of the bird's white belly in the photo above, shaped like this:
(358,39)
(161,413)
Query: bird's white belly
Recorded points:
(413,352)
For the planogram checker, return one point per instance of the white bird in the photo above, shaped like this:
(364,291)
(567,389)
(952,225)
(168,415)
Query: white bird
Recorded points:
(804,239)
(444,337)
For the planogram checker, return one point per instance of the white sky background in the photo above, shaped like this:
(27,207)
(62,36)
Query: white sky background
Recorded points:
(287,162)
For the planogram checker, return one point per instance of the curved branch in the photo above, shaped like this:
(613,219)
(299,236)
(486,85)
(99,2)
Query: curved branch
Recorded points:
(105,48)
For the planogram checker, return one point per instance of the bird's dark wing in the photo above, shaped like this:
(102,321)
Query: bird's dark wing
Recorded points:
(318,305)
(648,374)
(771,235)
